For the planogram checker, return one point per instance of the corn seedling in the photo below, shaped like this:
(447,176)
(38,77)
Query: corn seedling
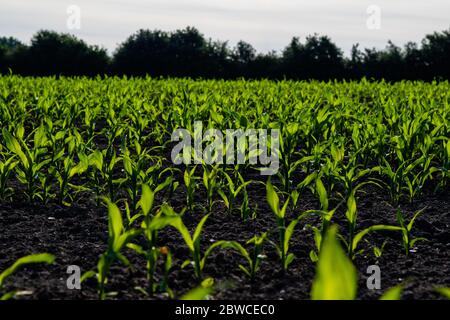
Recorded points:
(133,170)
(211,184)
(416,181)
(325,214)
(353,246)
(164,287)
(353,237)
(69,170)
(150,229)
(192,242)
(245,210)
(378,251)
(233,191)
(253,258)
(118,238)
(285,230)
(407,239)
(189,179)
(30,159)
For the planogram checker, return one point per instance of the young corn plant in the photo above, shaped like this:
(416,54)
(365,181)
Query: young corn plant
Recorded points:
(407,239)
(20,263)
(233,191)
(189,179)
(46,181)
(416,181)
(118,238)
(245,210)
(354,238)
(288,144)
(133,170)
(285,229)
(378,251)
(170,183)
(211,184)
(150,228)
(68,171)
(351,214)
(403,178)
(103,170)
(253,257)
(326,216)
(305,183)
(353,246)
(198,260)
(352,177)
(31,160)
(164,286)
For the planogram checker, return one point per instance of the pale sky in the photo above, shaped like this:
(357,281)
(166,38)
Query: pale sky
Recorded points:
(266,24)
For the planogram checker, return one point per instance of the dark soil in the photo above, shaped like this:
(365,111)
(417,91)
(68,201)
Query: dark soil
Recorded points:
(77,235)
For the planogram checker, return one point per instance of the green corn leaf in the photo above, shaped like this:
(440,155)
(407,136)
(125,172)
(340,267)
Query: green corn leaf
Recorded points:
(31,259)
(394,293)
(238,247)
(322,192)
(115,222)
(282,212)
(147,198)
(245,270)
(411,223)
(272,198)
(14,146)
(336,277)
(185,263)
(288,234)
(351,209)
(414,241)
(136,248)
(199,293)
(176,222)
(163,185)
(444,292)
(8,296)
(289,258)
(224,198)
(313,256)
(199,228)
(124,239)
(380,227)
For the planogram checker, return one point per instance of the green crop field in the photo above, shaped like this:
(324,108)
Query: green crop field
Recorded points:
(86,176)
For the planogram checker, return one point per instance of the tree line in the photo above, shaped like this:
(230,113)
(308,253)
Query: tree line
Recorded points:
(187,53)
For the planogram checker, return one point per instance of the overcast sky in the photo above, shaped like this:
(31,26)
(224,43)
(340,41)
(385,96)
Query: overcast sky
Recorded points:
(267,24)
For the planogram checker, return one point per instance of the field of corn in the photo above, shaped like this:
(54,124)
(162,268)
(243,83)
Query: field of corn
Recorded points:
(86,179)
